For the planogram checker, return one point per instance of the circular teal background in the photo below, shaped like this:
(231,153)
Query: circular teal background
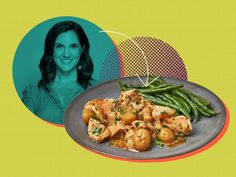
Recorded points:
(30,51)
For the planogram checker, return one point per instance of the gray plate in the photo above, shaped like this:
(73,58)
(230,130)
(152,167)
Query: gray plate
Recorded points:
(203,132)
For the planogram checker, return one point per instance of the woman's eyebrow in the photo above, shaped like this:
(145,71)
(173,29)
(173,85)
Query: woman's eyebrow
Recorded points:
(77,43)
(58,43)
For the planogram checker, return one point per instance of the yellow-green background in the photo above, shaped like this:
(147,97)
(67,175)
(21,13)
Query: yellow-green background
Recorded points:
(204,34)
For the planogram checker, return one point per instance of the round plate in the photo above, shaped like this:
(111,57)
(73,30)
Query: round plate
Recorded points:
(203,131)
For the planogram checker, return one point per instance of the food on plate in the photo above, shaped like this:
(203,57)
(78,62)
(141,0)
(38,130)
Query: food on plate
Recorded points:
(132,122)
(142,117)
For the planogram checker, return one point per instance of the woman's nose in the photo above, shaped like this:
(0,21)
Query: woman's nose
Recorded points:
(67,52)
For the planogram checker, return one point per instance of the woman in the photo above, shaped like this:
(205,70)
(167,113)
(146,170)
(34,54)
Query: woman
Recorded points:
(66,70)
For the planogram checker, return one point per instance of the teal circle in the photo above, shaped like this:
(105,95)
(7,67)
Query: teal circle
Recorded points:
(30,50)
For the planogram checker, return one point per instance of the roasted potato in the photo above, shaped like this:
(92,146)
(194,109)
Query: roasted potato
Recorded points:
(142,139)
(128,116)
(166,135)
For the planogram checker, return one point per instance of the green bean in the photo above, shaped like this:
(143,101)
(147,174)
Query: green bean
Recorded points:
(154,82)
(163,98)
(209,111)
(161,80)
(191,104)
(204,107)
(156,100)
(172,99)
(201,103)
(201,99)
(162,85)
(203,112)
(160,90)
(178,101)
(190,94)
(183,103)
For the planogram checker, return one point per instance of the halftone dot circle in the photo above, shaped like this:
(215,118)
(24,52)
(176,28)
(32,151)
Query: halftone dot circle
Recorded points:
(111,67)
(162,59)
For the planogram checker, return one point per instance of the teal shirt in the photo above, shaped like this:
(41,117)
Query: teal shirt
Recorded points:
(46,105)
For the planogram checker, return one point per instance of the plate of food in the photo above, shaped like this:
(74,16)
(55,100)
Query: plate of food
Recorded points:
(123,119)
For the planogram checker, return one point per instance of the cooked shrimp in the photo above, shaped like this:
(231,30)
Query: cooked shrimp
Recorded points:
(95,108)
(97,131)
(179,124)
(129,95)
(116,127)
(107,106)
(161,112)
(146,113)
(129,139)
(112,117)
(132,98)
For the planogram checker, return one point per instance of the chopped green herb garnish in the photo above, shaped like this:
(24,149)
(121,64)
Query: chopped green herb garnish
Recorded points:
(135,113)
(97,131)
(164,126)
(158,130)
(137,124)
(97,107)
(121,110)
(127,97)
(180,134)
(115,102)
(94,117)
(164,113)
(116,119)
(158,143)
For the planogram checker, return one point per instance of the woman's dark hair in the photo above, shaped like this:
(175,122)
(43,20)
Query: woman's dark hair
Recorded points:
(47,65)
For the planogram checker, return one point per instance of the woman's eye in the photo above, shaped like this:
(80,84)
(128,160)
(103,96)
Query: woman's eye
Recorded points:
(75,46)
(59,46)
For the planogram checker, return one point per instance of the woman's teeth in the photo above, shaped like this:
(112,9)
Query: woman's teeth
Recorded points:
(66,60)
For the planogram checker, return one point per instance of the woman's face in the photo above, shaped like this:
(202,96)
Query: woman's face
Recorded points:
(67,51)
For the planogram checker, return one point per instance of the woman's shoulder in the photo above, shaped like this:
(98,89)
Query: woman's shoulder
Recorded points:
(31,86)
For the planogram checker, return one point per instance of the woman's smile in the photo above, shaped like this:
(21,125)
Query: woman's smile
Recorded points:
(66,61)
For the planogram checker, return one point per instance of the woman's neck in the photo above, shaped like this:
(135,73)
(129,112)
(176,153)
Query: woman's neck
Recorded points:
(65,77)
